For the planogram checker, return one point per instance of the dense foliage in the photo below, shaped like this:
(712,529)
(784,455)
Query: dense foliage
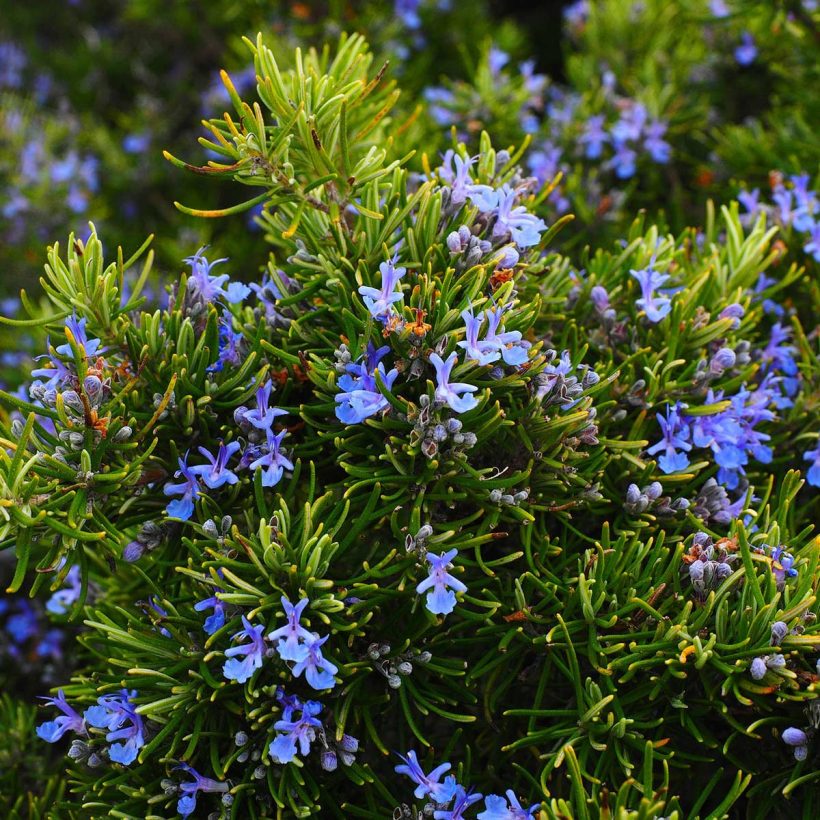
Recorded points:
(489,495)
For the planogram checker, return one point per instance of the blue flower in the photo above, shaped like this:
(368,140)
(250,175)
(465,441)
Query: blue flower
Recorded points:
(426,784)
(215,621)
(229,344)
(624,160)
(746,52)
(62,600)
(210,288)
(55,374)
(630,124)
(268,292)
(450,393)
(318,670)
(482,353)
(293,732)
(76,327)
(658,148)
(70,721)
(782,565)
(360,397)
(495,808)
(455,171)
(513,349)
(779,356)
(183,508)
(813,473)
(408,12)
(380,302)
(655,307)
(594,137)
(442,599)
(463,800)
(290,636)
(113,712)
(524,228)
(254,652)
(497,59)
(263,416)
(750,200)
(272,460)
(675,437)
(798,740)
(216,473)
(24,624)
(187,803)
(812,247)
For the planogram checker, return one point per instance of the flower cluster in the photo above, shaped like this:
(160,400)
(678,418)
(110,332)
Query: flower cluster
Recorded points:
(123,727)
(448,799)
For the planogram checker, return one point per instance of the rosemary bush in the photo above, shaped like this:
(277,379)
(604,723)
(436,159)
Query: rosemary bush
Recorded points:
(430,518)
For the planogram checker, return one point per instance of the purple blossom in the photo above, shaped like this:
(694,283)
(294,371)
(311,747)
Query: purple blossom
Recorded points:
(230,343)
(546,163)
(360,397)
(455,171)
(524,228)
(441,600)
(183,508)
(497,59)
(210,288)
(812,247)
(292,732)
(746,52)
(118,714)
(70,720)
(482,353)
(782,565)
(624,160)
(215,474)
(77,329)
(253,652)
(187,803)
(318,670)
(426,784)
(813,473)
(658,148)
(263,416)
(216,620)
(656,307)
(462,801)
(495,808)
(63,599)
(594,137)
(750,200)
(272,460)
(450,393)
(675,437)
(513,349)
(380,302)
(290,636)
(55,374)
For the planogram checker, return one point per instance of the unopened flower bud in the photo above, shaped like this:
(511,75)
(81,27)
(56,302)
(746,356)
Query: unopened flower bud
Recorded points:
(328,760)
(758,669)
(654,490)
(133,551)
(779,631)
(123,434)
